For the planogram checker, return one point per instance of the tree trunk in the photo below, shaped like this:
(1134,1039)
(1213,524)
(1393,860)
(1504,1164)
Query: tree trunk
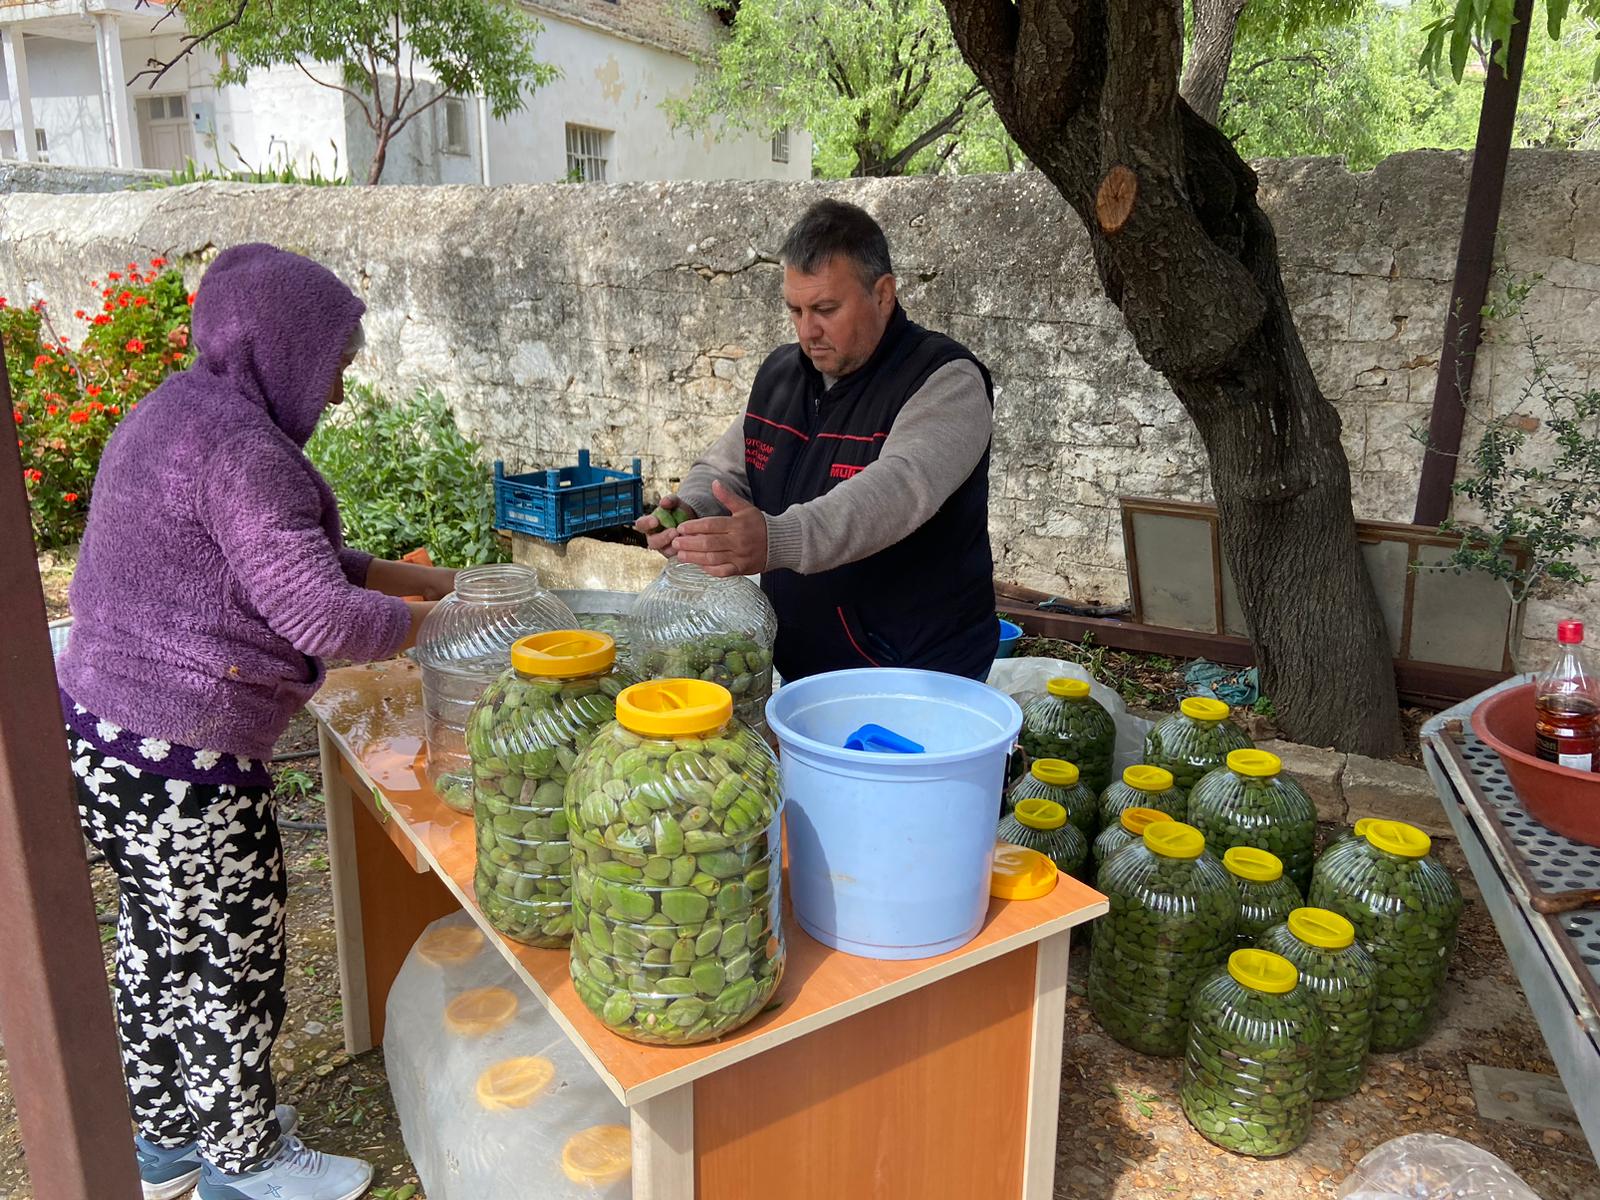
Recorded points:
(1205,75)
(1190,259)
(380,152)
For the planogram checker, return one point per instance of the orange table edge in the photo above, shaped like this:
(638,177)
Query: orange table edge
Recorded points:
(930,1078)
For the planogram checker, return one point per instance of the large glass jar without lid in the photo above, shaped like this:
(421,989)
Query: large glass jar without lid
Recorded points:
(1128,829)
(673,812)
(1266,895)
(691,625)
(462,648)
(1172,919)
(525,736)
(1343,978)
(1142,786)
(1060,783)
(1250,1067)
(1042,825)
(1194,740)
(1249,801)
(1405,908)
(1070,724)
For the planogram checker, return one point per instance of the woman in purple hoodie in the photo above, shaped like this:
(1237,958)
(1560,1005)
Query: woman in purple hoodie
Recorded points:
(211,583)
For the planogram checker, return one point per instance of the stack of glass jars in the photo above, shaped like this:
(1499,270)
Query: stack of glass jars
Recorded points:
(1194,740)
(1068,723)
(1042,825)
(1251,802)
(525,736)
(690,625)
(1172,919)
(673,817)
(462,648)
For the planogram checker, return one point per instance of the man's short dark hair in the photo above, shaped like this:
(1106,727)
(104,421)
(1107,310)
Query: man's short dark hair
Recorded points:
(831,228)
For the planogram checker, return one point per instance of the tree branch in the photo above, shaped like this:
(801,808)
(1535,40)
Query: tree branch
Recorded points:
(416,112)
(187,45)
(986,31)
(337,87)
(950,122)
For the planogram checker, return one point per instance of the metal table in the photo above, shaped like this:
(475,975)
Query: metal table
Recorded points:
(1514,858)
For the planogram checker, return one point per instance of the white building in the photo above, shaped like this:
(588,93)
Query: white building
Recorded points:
(66,97)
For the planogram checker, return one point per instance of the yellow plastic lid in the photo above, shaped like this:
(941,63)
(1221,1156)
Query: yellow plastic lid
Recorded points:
(1256,764)
(1057,772)
(1145,778)
(1362,825)
(1263,971)
(1322,928)
(674,707)
(514,1082)
(1038,813)
(1069,689)
(564,653)
(1020,874)
(1204,708)
(1174,839)
(1396,837)
(1257,866)
(480,1010)
(1136,820)
(450,946)
(598,1156)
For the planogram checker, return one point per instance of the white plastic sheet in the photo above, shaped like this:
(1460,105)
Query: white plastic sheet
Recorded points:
(1023,679)
(1428,1166)
(462,1150)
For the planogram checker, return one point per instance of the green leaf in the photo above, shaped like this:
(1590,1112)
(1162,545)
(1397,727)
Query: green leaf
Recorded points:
(1460,39)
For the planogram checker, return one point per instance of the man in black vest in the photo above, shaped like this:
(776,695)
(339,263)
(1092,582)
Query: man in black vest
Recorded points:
(856,483)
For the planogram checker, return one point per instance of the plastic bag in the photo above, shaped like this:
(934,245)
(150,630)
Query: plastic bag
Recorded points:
(1023,679)
(489,1090)
(1431,1166)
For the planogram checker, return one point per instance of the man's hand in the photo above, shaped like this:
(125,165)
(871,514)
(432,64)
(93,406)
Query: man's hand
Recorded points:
(725,546)
(410,579)
(661,538)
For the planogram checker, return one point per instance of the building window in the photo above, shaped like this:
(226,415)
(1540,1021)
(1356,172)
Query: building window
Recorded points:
(41,145)
(455,125)
(164,108)
(588,153)
(780,146)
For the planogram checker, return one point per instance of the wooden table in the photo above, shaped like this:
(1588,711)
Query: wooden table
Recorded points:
(932,1079)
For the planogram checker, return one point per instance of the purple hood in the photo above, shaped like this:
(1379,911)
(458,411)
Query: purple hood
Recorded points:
(213,576)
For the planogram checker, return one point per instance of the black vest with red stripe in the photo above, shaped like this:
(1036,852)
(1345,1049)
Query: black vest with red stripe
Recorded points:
(928,600)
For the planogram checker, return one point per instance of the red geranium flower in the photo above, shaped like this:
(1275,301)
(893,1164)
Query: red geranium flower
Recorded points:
(158,262)
(32,475)
(102,319)
(191,299)
(96,407)
(80,314)
(134,346)
(93,389)
(78,416)
(133,266)
(3,301)
(70,497)
(42,360)
(16,415)
(114,411)
(52,410)
(140,301)
(113,275)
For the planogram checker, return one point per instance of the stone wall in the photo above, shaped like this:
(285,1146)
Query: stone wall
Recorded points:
(19,176)
(631,319)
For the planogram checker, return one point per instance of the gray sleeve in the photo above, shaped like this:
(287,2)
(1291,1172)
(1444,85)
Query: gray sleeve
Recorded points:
(937,439)
(724,461)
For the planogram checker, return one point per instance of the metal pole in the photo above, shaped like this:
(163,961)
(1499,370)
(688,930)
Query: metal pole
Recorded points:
(55,1009)
(1474,264)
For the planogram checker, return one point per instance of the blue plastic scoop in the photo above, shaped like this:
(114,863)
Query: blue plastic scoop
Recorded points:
(875,739)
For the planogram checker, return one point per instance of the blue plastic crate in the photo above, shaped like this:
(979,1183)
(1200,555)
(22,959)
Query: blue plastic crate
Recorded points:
(560,503)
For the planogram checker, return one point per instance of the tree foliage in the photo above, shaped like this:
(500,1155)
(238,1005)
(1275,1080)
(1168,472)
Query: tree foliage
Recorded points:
(879,84)
(1470,25)
(374,50)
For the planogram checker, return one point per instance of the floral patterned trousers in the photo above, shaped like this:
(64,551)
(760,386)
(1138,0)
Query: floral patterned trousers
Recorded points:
(200,952)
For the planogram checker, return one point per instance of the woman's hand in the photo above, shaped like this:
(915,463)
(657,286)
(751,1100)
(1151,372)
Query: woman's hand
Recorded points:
(410,579)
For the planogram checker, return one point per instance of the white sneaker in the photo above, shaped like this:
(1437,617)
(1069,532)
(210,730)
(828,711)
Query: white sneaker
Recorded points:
(294,1172)
(167,1174)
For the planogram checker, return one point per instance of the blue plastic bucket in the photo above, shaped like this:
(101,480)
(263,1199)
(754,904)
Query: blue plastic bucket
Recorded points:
(889,854)
(1010,635)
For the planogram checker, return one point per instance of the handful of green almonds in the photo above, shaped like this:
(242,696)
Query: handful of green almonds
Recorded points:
(1406,909)
(1249,801)
(1067,723)
(676,871)
(1250,1064)
(1194,740)
(1172,919)
(1343,979)
(525,735)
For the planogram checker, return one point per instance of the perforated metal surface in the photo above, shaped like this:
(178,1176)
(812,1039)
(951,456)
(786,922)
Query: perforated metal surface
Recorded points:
(1552,863)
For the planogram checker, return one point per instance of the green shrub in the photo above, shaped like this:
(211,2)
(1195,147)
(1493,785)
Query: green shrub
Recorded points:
(405,477)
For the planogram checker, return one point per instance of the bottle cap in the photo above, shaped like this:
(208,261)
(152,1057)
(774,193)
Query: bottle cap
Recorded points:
(1174,839)
(1204,708)
(674,707)
(1070,689)
(1396,837)
(1569,633)
(564,654)
(1057,772)
(1039,813)
(1263,971)
(1255,866)
(1020,874)
(1322,928)
(1142,777)
(1254,764)
(1136,820)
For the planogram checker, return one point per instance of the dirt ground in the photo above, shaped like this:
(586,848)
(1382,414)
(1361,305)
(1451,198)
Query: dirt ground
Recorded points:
(1122,1134)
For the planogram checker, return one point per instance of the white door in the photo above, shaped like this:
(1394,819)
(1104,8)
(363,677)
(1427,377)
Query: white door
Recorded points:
(166,134)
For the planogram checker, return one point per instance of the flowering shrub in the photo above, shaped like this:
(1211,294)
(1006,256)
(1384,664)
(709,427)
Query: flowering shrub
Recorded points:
(67,399)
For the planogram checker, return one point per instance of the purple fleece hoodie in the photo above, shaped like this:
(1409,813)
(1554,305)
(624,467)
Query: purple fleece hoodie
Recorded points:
(213,577)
